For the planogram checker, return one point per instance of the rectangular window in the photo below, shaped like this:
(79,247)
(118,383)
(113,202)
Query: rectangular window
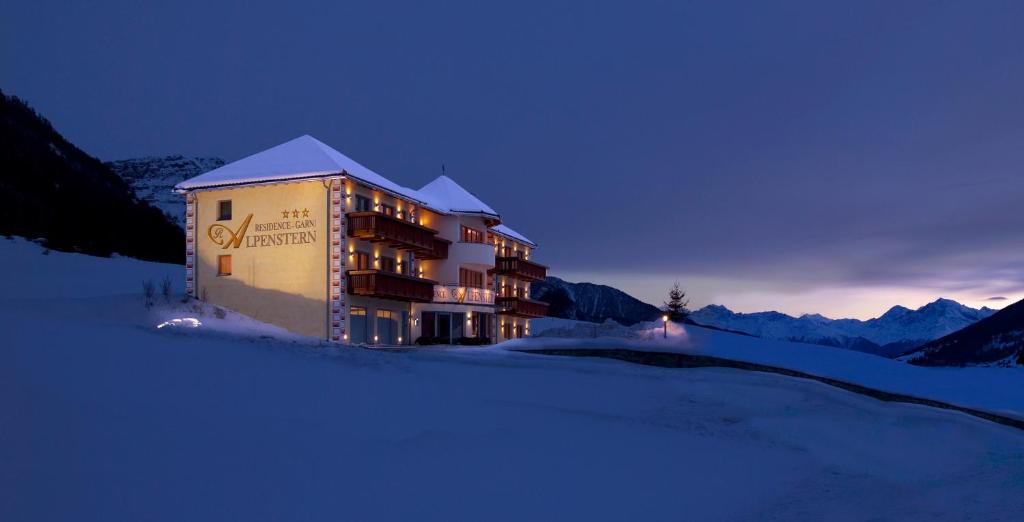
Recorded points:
(406,268)
(471,235)
(427,324)
(223,265)
(387,210)
(224,210)
(387,264)
(458,326)
(471,278)
(363,204)
(362,260)
(506,251)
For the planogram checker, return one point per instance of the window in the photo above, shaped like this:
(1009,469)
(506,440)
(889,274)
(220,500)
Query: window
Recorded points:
(223,265)
(224,210)
(387,210)
(471,235)
(387,264)
(407,265)
(458,326)
(363,204)
(362,261)
(506,251)
(471,278)
(427,324)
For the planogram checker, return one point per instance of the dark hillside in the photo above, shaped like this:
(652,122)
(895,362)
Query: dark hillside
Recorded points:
(999,337)
(50,189)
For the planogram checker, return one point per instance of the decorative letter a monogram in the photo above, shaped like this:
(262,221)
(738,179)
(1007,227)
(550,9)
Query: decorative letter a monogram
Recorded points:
(216,233)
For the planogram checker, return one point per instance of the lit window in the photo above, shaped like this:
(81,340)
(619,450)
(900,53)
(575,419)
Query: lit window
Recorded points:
(471,235)
(223,265)
(224,210)
(362,261)
(471,278)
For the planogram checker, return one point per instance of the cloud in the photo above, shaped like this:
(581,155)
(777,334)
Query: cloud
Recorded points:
(997,298)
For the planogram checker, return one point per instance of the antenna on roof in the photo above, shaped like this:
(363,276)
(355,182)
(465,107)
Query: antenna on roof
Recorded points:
(442,170)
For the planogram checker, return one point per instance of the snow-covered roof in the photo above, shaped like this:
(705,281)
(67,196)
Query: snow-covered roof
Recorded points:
(447,196)
(303,157)
(512,234)
(308,157)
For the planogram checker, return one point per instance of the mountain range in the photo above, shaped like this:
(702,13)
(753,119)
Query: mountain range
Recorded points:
(154,178)
(893,333)
(591,302)
(997,339)
(53,191)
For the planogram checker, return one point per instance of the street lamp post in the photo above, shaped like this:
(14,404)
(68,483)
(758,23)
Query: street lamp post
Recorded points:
(664,322)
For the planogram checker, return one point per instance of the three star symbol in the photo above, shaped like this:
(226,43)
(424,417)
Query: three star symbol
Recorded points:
(294,213)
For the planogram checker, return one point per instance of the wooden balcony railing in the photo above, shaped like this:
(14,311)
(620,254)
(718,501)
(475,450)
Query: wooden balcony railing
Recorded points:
(389,285)
(520,268)
(438,251)
(377,227)
(520,307)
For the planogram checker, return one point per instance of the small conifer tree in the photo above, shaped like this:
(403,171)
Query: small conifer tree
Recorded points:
(677,303)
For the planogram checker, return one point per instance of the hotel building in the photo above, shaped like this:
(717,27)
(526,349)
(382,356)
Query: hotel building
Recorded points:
(305,238)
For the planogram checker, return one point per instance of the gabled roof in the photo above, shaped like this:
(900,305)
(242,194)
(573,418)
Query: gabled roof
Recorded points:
(303,157)
(512,234)
(447,196)
(308,157)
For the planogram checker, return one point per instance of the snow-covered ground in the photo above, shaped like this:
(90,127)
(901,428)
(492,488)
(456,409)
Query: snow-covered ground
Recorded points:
(997,390)
(103,416)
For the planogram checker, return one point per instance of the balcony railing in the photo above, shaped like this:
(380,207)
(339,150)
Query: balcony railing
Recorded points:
(397,233)
(520,307)
(439,250)
(520,268)
(389,285)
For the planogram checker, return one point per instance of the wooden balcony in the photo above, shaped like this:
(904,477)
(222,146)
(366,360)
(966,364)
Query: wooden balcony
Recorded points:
(389,285)
(377,227)
(439,250)
(520,268)
(520,307)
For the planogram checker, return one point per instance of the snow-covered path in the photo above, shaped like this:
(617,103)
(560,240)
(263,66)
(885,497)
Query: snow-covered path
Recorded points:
(103,417)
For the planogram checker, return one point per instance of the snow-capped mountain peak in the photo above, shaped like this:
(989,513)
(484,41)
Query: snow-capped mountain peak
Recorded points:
(154,178)
(892,333)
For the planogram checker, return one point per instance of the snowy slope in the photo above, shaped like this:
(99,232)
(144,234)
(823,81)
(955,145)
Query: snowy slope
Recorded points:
(105,417)
(890,334)
(154,178)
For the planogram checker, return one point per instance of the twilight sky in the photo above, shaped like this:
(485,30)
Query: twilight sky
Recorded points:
(797,156)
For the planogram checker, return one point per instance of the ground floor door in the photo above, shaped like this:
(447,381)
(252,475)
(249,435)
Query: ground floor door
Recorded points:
(443,320)
(360,332)
(387,327)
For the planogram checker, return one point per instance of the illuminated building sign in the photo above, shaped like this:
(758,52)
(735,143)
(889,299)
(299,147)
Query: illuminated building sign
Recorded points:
(297,231)
(463,295)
